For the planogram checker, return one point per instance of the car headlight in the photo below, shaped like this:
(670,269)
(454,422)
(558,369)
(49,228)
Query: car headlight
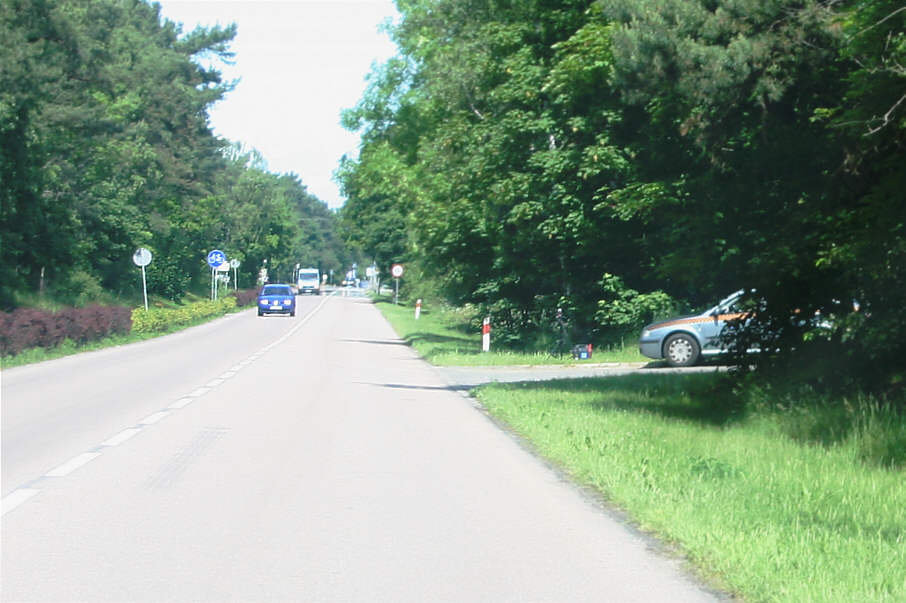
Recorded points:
(646,334)
(287,301)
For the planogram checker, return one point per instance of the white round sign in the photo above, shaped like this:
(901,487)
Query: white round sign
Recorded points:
(141,257)
(234,263)
(397,270)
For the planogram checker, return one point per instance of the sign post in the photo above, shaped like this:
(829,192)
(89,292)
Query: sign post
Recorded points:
(418,308)
(215,259)
(142,257)
(234,264)
(486,334)
(397,271)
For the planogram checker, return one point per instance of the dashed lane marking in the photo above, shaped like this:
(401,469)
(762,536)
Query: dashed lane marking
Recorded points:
(121,437)
(181,403)
(72,464)
(16,498)
(152,419)
(21,495)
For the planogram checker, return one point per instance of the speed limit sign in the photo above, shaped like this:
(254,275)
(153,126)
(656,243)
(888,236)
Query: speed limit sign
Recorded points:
(396,270)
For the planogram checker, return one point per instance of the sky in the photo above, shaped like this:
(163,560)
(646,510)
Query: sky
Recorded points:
(299,64)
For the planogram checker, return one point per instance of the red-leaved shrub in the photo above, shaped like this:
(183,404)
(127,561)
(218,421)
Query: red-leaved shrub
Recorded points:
(26,328)
(246,297)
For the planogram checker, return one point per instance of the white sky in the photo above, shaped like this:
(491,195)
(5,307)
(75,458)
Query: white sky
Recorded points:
(301,62)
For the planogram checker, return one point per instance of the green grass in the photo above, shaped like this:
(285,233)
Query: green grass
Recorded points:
(747,493)
(446,337)
(771,495)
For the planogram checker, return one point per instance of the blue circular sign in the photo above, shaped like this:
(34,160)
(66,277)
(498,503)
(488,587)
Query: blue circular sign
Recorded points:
(216,258)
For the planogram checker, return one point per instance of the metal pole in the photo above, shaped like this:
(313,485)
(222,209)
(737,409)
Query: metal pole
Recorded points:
(396,296)
(145,288)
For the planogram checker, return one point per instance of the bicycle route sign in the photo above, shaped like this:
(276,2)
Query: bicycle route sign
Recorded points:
(216,258)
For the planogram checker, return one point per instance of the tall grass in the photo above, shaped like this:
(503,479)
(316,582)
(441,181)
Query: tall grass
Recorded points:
(758,503)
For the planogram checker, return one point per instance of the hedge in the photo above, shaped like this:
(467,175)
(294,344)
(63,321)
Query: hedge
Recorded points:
(156,320)
(26,328)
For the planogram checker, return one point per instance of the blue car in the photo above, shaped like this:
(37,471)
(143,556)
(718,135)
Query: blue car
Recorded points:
(684,340)
(276,299)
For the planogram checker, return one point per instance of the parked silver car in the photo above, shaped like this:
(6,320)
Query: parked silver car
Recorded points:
(684,340)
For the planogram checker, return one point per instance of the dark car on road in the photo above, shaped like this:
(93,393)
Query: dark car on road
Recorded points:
(276,299)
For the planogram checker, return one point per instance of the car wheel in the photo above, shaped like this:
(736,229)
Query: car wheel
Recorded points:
(293,313)
(260,313)
(681,350)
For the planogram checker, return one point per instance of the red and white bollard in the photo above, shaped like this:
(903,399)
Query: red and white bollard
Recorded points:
(486,335)
(418,308)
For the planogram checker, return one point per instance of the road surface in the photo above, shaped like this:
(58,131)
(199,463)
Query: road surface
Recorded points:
(314,458)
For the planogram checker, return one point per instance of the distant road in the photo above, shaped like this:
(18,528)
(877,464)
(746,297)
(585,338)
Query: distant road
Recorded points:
(314,458)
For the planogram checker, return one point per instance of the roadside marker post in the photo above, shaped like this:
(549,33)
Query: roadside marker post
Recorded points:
(486,335)
(418,308)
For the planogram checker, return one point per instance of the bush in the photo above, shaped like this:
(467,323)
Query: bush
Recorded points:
(157,320)
(624,311)
(168,279)
(27,328)
(246,297)
(82,288)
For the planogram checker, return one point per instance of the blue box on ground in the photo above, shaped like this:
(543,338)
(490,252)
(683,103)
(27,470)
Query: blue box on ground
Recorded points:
(582,351)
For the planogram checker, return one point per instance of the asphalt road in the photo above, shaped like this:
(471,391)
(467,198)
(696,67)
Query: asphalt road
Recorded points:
(314,458)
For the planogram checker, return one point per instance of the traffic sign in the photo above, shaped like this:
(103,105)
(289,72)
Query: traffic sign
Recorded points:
(216,258)
(141,257)
(397,270)
(234,263)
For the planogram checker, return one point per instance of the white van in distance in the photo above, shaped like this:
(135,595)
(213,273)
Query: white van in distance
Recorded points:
(309,281)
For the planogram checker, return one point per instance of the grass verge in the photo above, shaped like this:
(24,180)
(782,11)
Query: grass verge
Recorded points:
(758,509)
(446,337)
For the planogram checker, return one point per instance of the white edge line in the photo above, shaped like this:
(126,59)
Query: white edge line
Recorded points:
(214,383)
(121,437)
(72,464)
(199,392)
(16,498)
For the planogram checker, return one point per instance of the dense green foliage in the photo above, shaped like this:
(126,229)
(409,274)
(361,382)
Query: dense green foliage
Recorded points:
(105,146)
(533,155)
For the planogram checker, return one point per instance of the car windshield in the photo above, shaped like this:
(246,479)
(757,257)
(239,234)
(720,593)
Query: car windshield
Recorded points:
(728,304)
(277,290)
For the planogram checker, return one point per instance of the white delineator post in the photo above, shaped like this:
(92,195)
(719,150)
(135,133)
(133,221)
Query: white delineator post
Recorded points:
(486,335)
(418,308)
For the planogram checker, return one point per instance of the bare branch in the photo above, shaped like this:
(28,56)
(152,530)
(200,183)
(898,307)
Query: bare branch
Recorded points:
(886,119)
(873,25)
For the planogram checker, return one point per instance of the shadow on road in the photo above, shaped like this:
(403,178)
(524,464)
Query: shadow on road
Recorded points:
(377,341)
(448,388)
